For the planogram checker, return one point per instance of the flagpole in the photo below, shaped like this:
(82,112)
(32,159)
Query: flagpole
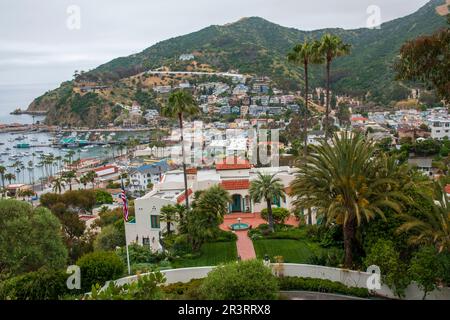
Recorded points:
(125,229)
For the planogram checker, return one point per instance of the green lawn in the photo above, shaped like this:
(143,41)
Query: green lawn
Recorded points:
(212,254)
(293,251)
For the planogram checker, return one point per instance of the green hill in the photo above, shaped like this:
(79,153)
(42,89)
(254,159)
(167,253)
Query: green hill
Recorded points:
(256,46)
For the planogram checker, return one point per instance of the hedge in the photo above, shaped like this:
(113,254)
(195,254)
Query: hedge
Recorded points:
(320,285)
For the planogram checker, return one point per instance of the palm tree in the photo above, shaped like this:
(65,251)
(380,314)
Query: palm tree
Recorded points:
(70,177)
(90,177)
(433,227)
(331,47)
(84,181)
(304,54)
(2,174)
(10,177)
(58,185)
(267,187)
(168,214)
(345,181)
(181,103)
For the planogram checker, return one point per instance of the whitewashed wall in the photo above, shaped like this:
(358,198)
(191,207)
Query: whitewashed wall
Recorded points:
(348,277)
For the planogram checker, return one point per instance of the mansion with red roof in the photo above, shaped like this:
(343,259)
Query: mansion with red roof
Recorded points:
(233,175)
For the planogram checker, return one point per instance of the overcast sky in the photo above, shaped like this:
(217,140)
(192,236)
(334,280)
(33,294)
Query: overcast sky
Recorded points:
(38,47)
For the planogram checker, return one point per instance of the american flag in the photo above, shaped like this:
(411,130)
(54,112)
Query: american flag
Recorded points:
(123,196)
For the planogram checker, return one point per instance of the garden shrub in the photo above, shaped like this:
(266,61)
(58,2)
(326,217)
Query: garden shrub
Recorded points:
(103,197)
(426,269)
(147,287)
(44,284)
(224,236)
(245,280)
(331,258)
(99,267)
(393,271)
(320,285)
(280,215)
(183,291)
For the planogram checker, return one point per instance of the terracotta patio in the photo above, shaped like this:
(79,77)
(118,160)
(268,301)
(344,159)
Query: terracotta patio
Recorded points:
(244,244)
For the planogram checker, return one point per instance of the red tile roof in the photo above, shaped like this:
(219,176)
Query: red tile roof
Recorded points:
(181,198)
(191,171)
(233,164)
(447,188)
(235,184)
(359,119)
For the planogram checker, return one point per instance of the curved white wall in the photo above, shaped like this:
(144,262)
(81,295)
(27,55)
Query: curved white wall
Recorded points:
(348,277)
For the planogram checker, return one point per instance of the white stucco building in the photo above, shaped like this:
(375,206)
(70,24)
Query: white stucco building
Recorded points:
(234,176)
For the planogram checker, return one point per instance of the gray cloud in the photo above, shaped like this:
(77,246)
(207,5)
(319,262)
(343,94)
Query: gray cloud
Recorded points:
(36,45)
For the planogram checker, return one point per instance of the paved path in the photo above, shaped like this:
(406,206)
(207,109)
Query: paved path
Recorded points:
(244,246)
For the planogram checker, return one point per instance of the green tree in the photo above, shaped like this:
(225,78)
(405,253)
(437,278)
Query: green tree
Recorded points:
(394,272)
(279,215)
(58,185)
(331,47)
(168,214)
(29,238)
(426,59)
(2,174)
(111,237)
(208,210)
(99,267)
(425,269)
(268,188)
(245,280)
(180,104)
(347,183)
(432,227)
(69,177)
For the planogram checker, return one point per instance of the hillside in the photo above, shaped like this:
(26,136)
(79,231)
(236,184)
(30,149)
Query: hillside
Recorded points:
(256,46)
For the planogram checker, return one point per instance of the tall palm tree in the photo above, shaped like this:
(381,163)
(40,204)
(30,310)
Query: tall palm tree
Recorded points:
(331,47)
(181,103)
(343,180)
(304,54)
(168,214)
(10,177)
(268,188)
(84,181)
(58,185)
(433,227)
(70,177)
(2,174)
(90,177)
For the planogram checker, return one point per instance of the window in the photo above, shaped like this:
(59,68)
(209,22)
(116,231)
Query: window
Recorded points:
(154,221)
(145,241)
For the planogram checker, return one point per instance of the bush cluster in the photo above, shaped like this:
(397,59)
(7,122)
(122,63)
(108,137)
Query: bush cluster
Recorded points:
(320,285)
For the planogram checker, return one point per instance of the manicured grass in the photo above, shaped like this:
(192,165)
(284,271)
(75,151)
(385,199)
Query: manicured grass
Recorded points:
(212,254)
(292,251)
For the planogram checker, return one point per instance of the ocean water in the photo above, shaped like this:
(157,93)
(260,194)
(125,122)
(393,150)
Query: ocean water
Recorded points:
(20,96)
(13,96)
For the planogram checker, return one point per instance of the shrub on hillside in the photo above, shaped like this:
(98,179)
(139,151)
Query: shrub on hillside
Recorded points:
(245,280)
(99,267)
(44,284)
